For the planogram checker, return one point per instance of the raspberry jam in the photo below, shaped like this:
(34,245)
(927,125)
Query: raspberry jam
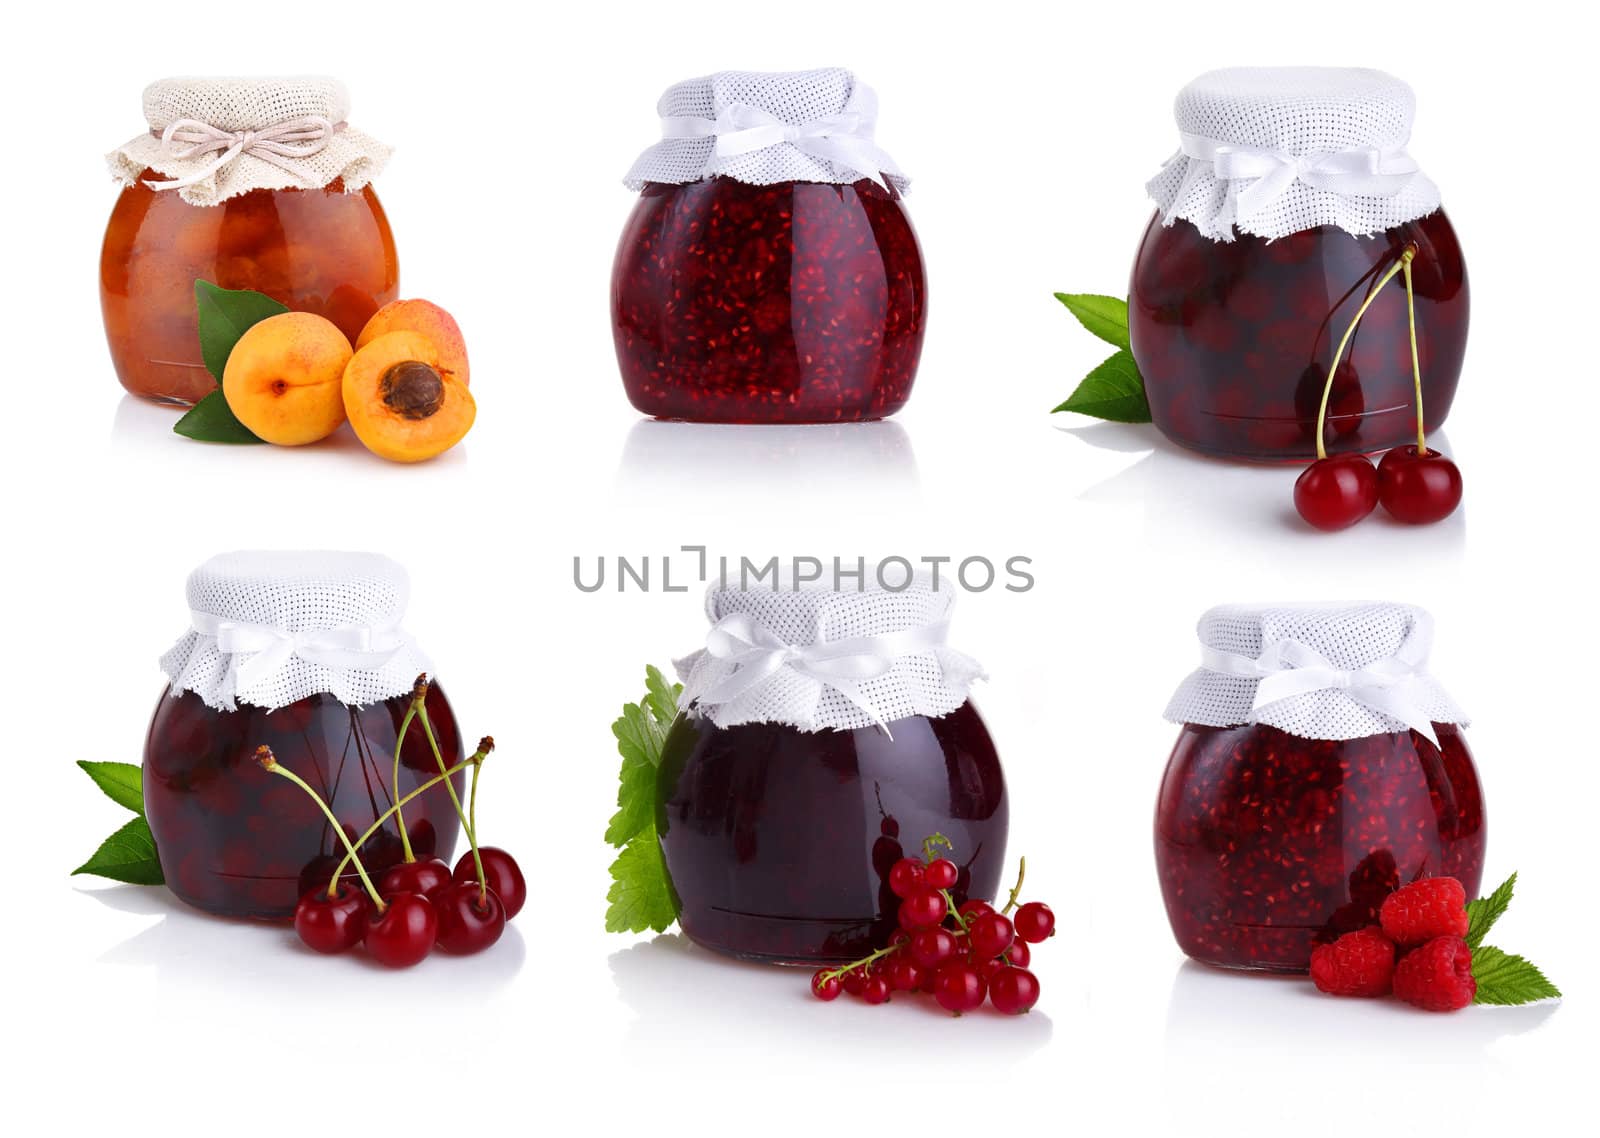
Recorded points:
(1267,843)
(796,302)
(1234,338)
(779,842)
(236,841)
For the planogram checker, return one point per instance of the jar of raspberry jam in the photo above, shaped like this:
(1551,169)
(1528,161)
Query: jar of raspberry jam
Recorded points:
(302,652)
(1290,196)
(1318,767)
(824,735)
(250,184)
(769,272)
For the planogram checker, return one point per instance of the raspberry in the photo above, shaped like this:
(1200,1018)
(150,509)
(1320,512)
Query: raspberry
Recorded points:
(1437,976)
(1357,964)
(1432,907)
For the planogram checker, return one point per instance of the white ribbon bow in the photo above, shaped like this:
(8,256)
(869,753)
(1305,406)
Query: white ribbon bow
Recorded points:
(844,139)
(1289,668)
(1363,172)
(258,652)
(279,144)
(756,654)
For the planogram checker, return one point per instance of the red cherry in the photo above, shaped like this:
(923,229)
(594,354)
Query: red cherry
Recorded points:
(959,988)
(505,878)
(906,877)
(430,877)
(922,910)
(991,934)
(1014,990)
(931,947)
(1418,488)
(332,924)
(470,918)
(1034,922)
(941,874)
(825,987)
(405,933)
(1335,493)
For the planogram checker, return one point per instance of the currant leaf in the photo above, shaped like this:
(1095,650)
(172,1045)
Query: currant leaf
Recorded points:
(641,895)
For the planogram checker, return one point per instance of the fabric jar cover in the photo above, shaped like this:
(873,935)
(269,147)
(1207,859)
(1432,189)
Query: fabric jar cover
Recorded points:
(270,628)
(1272,151)
(823,659)
(1319,671)
(766,127)
(213,139)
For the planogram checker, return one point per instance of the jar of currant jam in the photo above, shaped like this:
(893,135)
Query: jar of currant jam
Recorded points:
(769,272)
(788,790)
(1289,198)
(303,653)
(250,184)
(1318,767)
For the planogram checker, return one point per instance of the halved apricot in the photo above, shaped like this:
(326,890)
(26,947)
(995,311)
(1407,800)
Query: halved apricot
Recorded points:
(430,320)
(284,378)
(404,404)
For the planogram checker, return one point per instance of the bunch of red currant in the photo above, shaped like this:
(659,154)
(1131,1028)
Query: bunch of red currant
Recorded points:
(961,955)
(1415,484)
(416,905)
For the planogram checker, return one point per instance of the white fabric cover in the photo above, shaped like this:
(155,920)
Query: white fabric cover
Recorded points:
(358,595)
(1301,113)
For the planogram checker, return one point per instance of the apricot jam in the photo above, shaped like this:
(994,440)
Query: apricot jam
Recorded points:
(236,841)
(779,842)
(1267,843)
(795,302)
(315,250)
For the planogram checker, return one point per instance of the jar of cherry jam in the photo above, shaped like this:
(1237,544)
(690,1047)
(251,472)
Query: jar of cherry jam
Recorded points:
(1318,767)
(1290,196)
(824,734)
(304,653)
(250,184)
(769,272)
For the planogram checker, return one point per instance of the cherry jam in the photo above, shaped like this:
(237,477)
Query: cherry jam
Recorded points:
(236,841)
(1268,844)
(779,842)
(796,302)
(1235,338)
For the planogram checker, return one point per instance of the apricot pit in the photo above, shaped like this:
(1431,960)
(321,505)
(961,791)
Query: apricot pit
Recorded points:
(284,378)
(404,401)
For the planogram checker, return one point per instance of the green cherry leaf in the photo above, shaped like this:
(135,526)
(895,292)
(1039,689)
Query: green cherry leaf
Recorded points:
(123,783)
(1105,316)
(1113,391)
(224,315)
(129,856)
(212,421)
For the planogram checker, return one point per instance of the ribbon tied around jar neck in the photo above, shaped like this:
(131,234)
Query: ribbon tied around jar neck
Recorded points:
(755,654)
(1361,172)
(845,139)
(281,144)
(258,652)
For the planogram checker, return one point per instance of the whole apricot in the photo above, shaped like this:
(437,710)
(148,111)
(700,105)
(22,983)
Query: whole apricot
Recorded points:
(428,319)
(284,378)
(403,402)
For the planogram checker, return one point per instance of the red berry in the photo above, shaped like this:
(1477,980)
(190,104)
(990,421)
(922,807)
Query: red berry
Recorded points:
(1335,493)
(922,910)
(1034,922)
(974,909)
(906,877)
(959,987)
(1357,964)
(941,873)
(1418,488)
(1018,954)
(1438,976)
(931,947)
(904,974)
(991,934)
(430,877)
(471,918)
(505,877)
(855,980)
(332,924)
(875,990)
(404,934)
(1422,910)
(988,969)
(824,986)
(1014,991)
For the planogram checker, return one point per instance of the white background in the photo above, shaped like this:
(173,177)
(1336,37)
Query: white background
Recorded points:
(1029,130)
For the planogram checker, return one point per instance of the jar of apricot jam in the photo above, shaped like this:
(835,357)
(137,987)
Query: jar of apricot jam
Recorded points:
(787,792)
(769,272)
(1318,767)
(300,652)
(250,184)
(1290,196)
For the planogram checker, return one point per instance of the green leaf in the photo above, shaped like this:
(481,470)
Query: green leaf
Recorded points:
(641,895)
(212,421)
(1105,316)
(636,801)
(662,699)
(129,855)
(641,730)
(122,782)
(1508,980)
(224,315)
(1114,391)
(1485,911)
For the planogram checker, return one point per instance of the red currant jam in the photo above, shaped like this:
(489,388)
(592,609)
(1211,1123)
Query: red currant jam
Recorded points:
(779,842)
(1235,338)
(1267,843)
(796,302)
(236,841)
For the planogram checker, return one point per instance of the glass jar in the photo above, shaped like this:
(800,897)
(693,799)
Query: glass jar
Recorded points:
(779,842)
(236,841)
(775,284)
(1250,274)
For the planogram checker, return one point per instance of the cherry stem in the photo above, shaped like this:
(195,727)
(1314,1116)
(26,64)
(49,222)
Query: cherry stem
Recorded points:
(1016,890)
(405,726)
(455,800)
(836,973)
(1416,362)
(377,824)
(269,762)
(1344,342)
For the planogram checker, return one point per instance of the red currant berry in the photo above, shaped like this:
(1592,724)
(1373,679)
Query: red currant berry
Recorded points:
(904,974)
(1418,488)
(332,924)
(941,874)
(471,918)
(931,947)
(1034,922)
(430,877)
(1335,493)
(906,877)
(973,909)
(988,969)
(854,981)
(991,934)
(505,878)
(825,987)
(899,937)
(922,910)
(404,933)
(875,990)
(959,987)
(1019,954)
(1014,991)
